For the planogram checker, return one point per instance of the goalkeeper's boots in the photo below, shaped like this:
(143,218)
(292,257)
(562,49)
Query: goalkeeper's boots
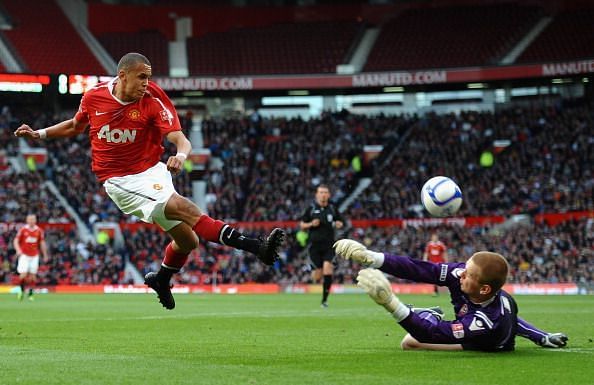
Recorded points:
(434,311)
(163,289)
(268,250)
(554,340)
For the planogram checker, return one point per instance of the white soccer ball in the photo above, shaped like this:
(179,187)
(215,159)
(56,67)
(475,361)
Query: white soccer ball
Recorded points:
(441,196)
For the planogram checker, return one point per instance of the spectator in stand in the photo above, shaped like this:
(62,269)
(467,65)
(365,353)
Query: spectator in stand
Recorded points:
(127,162)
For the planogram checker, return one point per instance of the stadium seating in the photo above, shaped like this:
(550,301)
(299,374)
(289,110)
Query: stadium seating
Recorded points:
(569,36)
(277,49)
(450,37)
(61,51)
(152,44)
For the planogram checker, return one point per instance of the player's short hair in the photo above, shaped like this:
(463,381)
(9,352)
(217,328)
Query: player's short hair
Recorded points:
(493,269)
(322,185)
(131,59)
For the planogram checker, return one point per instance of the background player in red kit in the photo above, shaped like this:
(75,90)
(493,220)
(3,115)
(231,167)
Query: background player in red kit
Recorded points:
(127,119)
(436,252)
(28,242)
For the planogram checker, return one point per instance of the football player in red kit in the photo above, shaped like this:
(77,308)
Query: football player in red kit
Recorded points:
(128,117)
(436,252)
(29,241)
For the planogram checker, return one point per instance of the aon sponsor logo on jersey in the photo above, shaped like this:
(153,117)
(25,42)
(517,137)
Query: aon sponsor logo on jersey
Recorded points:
(116,135)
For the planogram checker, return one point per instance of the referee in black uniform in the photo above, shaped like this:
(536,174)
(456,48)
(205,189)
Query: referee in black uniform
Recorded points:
(321,218)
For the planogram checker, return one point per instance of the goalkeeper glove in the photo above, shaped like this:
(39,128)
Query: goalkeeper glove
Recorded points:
(349,249)
(553,340)
(379,289)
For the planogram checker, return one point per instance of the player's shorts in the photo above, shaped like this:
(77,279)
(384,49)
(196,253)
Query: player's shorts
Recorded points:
(318,255)
(144,195)
(28,264)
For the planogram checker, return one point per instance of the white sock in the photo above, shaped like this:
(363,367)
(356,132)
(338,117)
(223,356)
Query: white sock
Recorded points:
(378,259)
(402,311)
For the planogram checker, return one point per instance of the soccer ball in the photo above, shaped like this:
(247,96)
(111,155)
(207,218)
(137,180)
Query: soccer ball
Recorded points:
(441,196)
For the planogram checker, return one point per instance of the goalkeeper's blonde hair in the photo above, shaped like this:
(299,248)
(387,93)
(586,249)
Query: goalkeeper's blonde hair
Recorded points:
(493,269)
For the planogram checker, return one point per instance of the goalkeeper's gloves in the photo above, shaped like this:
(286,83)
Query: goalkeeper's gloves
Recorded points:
(379,289)
(349,249)
(553,340)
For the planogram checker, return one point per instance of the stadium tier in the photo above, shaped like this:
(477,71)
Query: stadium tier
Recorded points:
(278,49)
(151,43)
(61,51)
(450,37)
(568,36)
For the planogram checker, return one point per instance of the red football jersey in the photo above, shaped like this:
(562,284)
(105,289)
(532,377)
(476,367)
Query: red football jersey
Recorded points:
(126,138)
(29,239)
(435,251)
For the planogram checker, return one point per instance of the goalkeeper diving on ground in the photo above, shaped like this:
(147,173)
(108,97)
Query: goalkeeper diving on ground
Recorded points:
(486,316)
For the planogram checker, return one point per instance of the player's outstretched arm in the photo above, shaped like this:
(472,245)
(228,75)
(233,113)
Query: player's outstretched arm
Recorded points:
(540,337)
(350,249)
(63,129)
(553,340)
(377,286)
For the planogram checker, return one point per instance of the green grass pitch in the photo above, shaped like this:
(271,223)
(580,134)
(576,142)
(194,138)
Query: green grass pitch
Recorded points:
(268,339)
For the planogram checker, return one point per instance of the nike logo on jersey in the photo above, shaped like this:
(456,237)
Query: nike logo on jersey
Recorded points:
(101,113)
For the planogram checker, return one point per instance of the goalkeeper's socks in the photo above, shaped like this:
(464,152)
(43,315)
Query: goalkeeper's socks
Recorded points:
(326,286)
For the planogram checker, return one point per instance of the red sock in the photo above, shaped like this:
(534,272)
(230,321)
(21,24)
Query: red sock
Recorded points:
(174,259)
(208,229)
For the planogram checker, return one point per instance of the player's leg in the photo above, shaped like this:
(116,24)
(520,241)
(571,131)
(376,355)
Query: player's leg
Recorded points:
(32,280)
(435,290)
(214,230)
(315,258)
(23,286)
(22,269)
(327,270)
(176,255)
(32,275)
(411,343)
(316,275)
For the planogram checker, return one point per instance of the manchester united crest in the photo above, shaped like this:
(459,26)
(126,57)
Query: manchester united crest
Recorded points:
(134,114)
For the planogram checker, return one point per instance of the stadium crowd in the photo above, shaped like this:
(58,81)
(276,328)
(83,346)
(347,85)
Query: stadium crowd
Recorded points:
(265,169)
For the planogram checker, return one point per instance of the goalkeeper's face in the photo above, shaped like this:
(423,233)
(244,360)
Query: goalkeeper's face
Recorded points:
(470,279)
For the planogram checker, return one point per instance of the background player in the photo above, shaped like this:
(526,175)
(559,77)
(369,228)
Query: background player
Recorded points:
(128,117)
(486,316)
(28,242)
(435,252)
(321,218)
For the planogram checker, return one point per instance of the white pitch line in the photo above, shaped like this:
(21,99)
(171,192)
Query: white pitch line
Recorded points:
(259,314)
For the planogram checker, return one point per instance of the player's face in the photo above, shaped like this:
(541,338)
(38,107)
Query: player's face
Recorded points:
(322,196)
(31,220)
(469,279)
(135,81)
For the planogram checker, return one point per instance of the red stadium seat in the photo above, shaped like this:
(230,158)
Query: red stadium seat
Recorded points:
(46,40)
